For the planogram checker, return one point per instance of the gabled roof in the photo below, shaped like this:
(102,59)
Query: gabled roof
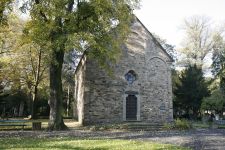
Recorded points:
(155,40)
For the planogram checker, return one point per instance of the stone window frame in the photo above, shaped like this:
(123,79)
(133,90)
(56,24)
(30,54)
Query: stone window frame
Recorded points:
(131,74)
(138,107)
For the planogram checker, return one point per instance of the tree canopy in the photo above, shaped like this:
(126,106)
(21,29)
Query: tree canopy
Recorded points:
(190,90)
(57,32)
(215,102)
(62,25)
(218,65)
(5,5)
(198,42)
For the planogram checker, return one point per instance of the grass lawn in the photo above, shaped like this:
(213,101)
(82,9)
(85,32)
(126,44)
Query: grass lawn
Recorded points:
(82,144)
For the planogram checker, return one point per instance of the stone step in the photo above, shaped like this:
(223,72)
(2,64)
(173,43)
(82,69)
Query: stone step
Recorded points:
(143,126)
(144,129)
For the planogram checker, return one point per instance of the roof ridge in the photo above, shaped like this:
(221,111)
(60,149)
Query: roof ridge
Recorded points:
(153,38)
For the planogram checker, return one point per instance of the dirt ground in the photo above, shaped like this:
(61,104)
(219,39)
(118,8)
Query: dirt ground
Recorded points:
(198,139)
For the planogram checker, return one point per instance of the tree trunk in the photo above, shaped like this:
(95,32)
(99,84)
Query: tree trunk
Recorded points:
(21,109)
(34,105)
(36,126)
(55,102)
(37,80)
(30,100)
(68,101)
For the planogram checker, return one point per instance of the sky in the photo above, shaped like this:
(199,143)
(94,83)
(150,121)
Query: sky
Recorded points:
(165,17)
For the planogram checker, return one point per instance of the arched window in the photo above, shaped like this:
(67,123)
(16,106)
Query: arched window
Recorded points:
(130,76)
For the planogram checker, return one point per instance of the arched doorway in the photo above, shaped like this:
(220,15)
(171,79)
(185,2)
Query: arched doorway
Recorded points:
(131,107)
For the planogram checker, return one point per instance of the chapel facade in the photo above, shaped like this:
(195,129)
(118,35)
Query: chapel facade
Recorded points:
(140,89)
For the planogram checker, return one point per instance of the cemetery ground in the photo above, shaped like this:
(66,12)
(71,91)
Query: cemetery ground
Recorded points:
(202,136)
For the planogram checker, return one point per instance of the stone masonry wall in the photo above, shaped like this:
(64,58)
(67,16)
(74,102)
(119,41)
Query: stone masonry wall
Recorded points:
(104,96)
(80,88)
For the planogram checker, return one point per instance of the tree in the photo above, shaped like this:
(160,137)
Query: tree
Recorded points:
(9,33)
(218,65)
(71,61)
(215,102)
(23,62)
(34,68)
(4,6)
(61,25)
(170,49)
(25,68)
(177,105)
(198,41)
(190,91)
(9,26)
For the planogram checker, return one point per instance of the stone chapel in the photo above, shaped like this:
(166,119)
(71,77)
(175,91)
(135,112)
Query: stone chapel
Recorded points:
(140,90)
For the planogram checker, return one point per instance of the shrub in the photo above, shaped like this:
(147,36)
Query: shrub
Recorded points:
(180,124)
(168,126)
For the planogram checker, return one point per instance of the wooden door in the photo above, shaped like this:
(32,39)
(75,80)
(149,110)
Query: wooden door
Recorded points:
(131,107)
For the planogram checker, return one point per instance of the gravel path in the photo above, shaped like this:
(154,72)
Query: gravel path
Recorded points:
(198,139)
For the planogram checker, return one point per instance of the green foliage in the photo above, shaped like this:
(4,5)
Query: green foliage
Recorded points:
(218,65)
(214,102)
(175,81)
(91,24)
(9,35)
(190,91)
(97,26)
(5,5)
(10,103)
(24,64)
(218,55)
(71,143)
(180,124)
(70,61)
(42,101)
(12,99)
(175,78)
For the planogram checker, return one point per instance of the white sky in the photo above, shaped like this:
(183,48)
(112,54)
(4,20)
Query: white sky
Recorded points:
(165,17)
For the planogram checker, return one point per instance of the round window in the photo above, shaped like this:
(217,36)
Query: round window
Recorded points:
(130,76)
